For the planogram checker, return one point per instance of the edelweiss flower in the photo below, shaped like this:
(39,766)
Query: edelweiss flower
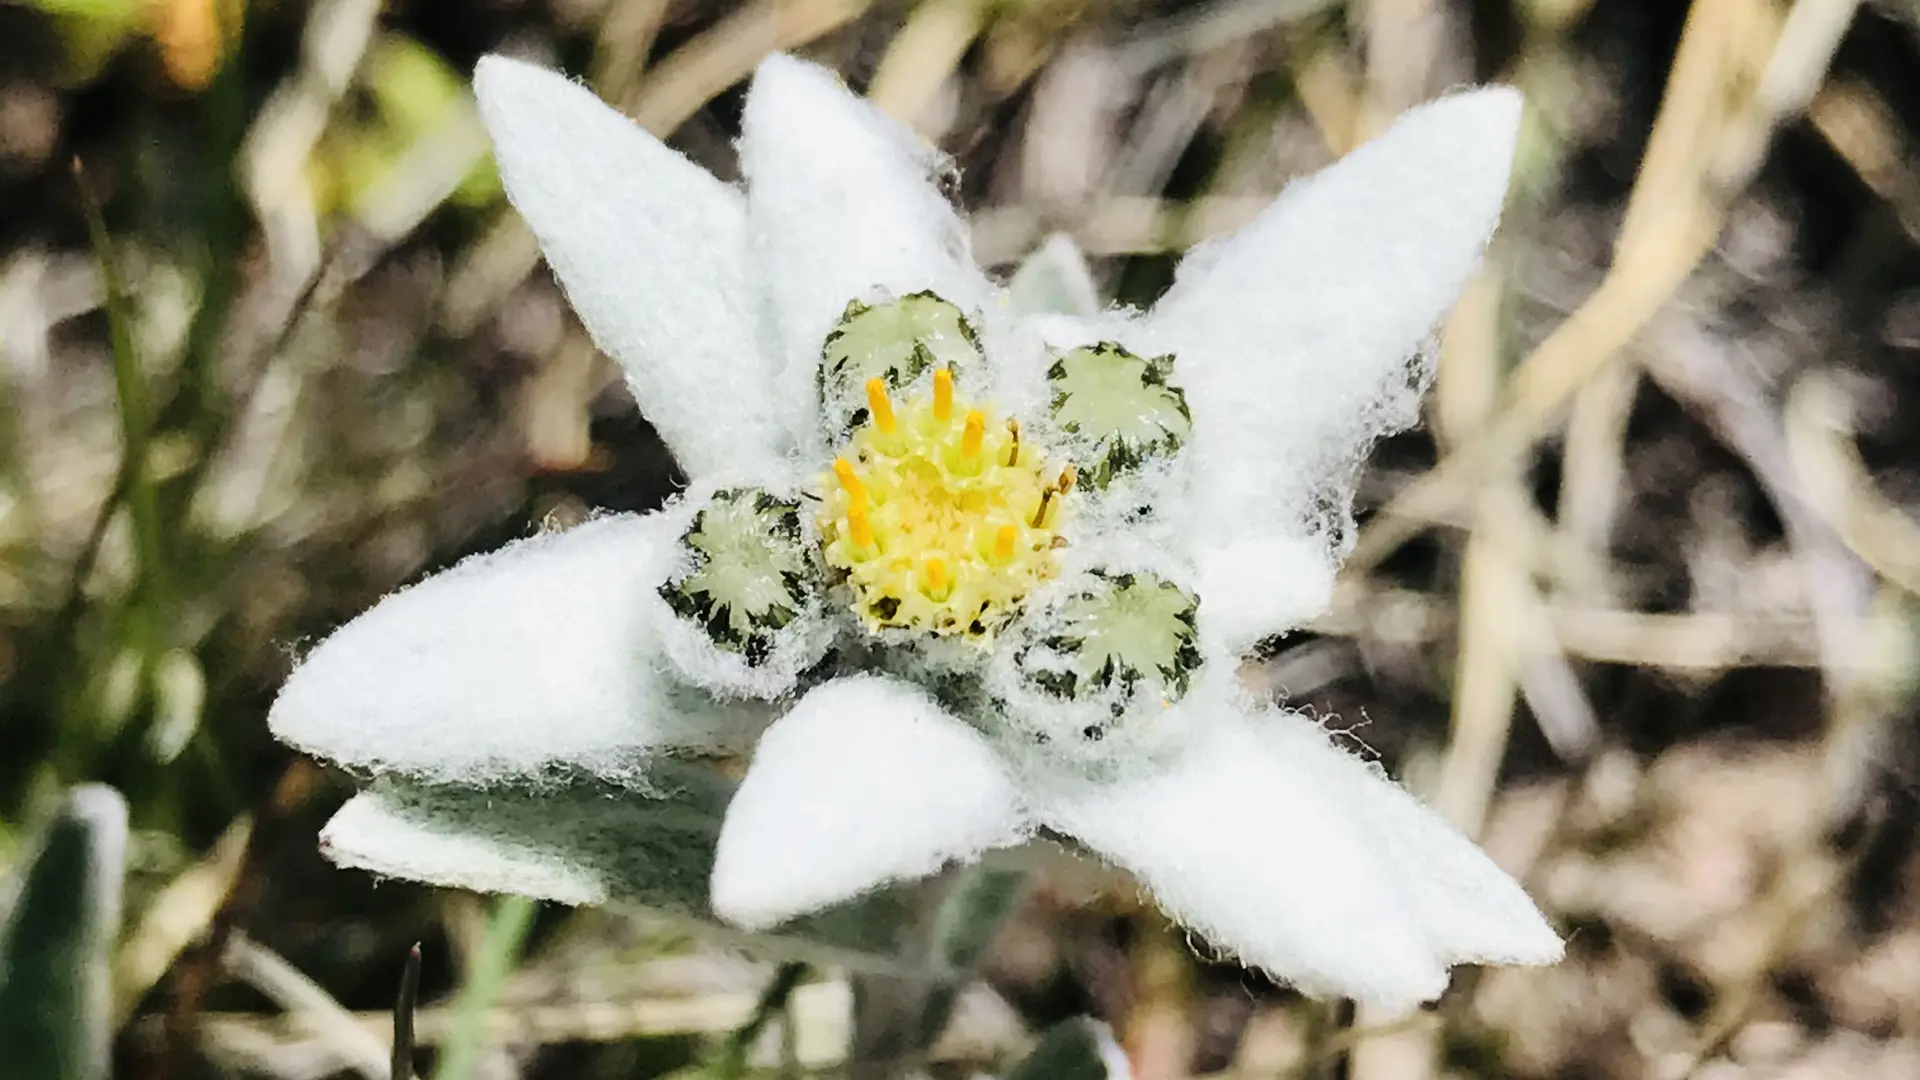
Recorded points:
(969,575)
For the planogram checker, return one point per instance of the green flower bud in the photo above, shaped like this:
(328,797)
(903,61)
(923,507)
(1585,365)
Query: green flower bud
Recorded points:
(1120,407)
(896,341)
(750,574)
(1127,637)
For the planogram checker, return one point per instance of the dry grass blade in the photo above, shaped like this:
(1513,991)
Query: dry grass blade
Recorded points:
(922,57)
(820,1013)
(1121,225)
(703,68)
(175,918)
(1861,128)
(1726,95)
(1700,643)
(261,968)
(1839,489)
(403,1008)
(1217,24)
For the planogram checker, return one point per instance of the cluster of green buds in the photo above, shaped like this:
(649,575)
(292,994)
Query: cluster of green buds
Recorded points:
(941,516)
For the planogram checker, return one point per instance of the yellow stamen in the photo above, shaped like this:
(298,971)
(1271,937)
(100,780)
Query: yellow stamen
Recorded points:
(1067,477)
(943,395)
(879,406)
(976,430)
(856,491)
(925,512)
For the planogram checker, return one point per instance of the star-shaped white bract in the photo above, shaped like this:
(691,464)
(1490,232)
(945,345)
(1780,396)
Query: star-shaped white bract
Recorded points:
(958,574)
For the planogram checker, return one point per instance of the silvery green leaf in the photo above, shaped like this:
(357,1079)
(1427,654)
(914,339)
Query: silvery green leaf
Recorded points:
(1079,1049)
(897,1019)
(588,843)
(964,926)
(1055,280)
(62,914)
(969,916)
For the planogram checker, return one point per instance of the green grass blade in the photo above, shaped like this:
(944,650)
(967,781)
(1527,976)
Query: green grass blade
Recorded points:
(61,920)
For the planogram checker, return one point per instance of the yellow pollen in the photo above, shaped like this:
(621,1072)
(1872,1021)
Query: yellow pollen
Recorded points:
(856,491)
(943,395)
(879,406)
(1003,543)
(940,527)
(976,430)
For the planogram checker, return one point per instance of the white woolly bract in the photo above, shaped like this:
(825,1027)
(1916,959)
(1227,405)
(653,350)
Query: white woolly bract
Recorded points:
(1144,507)
(1017,360)
(1253,588)
(1258,832)
(652,251)
(842,206)
(1298,858)
(868,780)
(535,660)
(1468,908)
(1299,340)
(1259,855)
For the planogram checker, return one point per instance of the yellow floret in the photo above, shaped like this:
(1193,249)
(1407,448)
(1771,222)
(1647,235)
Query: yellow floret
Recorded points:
(942,520)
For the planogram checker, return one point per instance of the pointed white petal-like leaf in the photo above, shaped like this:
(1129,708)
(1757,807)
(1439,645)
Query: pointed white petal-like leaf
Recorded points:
(866,781)
(1300,338)
(1057,303)
(1055,280)
(536,660)
(844,206)
(1254,587)
(1470,910)
(590,844)
(652,251)
(1256,851)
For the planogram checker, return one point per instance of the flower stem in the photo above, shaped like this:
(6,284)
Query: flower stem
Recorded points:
(506,932)
(130,392)
(730,1060)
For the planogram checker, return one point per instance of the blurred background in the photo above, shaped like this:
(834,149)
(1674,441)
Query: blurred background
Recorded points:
(1636,605)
